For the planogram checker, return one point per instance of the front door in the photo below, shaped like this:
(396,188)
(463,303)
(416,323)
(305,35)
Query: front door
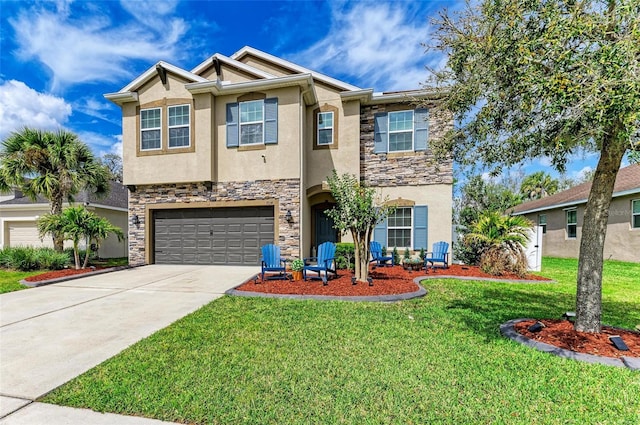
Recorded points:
(324,231)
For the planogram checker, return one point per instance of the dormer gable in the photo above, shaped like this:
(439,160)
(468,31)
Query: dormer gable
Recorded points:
(248,54)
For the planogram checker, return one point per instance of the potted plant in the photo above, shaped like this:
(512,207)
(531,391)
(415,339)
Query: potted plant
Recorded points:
(296,269)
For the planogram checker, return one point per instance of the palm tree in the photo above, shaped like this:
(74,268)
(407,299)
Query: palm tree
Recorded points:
(97,229)
(76,224)
(501,239)
(538,185)
(56,165)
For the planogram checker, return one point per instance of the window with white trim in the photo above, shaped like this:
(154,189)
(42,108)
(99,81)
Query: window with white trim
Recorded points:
(251,122)
(572,223)
(150,128)
(542,222)
(400,131)
(399,228)
(635,214)
(325,128)
(179,126)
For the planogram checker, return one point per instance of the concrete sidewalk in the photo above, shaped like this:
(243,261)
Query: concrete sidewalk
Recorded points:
(51,334)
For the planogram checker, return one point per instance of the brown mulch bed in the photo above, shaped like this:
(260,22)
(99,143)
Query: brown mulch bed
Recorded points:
(560,333)
(55,274)
(386,281)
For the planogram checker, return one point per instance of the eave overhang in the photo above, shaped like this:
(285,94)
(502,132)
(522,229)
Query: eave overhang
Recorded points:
(221,88)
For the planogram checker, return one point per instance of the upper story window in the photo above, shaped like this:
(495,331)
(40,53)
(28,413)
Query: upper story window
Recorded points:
(635,214)
(325,128)
(179,126)
(151,129)
(542,222)
(400,131)
(399,228)
(252,123)
(572,223)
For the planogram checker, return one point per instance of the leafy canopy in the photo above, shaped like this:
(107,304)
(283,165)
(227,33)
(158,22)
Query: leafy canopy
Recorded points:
(531,78)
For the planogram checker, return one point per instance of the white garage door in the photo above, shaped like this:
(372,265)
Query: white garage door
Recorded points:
(25,233)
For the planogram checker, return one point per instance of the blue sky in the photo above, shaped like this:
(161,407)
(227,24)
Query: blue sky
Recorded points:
(58,58)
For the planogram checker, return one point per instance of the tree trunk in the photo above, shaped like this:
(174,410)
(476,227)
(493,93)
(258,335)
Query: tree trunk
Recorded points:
(76,255)
(594,229)
(86,254)
(56,209)
(361,242)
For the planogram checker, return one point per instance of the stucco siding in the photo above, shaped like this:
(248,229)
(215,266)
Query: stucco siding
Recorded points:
(621,243)
(267,162)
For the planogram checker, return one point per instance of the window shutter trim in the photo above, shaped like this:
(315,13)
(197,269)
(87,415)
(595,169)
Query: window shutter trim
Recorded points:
(271,121)
(381,132)
(420,129)
(420,222)
(233,128)
(380,233)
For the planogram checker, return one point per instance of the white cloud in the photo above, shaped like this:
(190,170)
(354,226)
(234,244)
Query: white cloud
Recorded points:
(85,48)
(377,43)
(101,144)
(580,174)
(22,106)
(97,108)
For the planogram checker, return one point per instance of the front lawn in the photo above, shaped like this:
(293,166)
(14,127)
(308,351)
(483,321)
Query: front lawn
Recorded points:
(437,359)
(9,280)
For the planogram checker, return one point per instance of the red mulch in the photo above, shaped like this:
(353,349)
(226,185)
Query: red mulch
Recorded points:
(60,273)
(386,281)
(560,333)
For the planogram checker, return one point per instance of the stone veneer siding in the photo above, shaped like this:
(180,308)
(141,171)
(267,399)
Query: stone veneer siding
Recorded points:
(401,169)
(287,193)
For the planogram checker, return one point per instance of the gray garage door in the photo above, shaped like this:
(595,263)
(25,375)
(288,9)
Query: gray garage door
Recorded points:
(231,236)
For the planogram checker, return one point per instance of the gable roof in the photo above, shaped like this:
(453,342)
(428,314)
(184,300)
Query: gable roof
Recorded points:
(118,198)
(627,182)
(231,62)
(247,50)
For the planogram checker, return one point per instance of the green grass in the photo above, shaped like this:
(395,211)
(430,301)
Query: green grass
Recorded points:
(438,359)
(110,262)
(9,280)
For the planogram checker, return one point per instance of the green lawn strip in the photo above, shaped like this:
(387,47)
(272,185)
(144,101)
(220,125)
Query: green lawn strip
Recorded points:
(10,280)
(438,359)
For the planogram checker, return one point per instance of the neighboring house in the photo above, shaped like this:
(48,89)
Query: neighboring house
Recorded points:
(236,153)
(561,217)
(18,215)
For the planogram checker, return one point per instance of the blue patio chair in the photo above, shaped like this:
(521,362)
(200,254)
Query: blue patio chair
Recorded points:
(376,255)
(272,263)
(325,262)
(440,254)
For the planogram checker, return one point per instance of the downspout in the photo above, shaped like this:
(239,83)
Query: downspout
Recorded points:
(302,179)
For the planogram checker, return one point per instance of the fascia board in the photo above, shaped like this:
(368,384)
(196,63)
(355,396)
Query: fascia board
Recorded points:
(231,62)
(122,97)
(292,66)
(576,202)
(149,73)
(220,88)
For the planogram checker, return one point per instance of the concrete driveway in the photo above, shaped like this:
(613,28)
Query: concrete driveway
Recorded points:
(51,334)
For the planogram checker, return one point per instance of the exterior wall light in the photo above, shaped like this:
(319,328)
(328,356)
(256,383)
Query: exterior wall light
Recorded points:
(288,217)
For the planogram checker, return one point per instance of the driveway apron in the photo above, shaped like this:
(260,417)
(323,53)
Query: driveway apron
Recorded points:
(51,334)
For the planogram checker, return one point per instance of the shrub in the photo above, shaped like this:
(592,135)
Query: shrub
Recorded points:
(423,254)
(50,259)
(407,255)
(396,256)
(345,255)
(27,258)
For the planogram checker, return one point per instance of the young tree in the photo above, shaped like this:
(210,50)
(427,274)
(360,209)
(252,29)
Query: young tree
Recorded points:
(56,165)
(356,211)
(538,185)
(546,78)
(76,224)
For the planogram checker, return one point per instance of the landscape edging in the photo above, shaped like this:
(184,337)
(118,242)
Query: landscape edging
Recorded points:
(421,292)
(72,277)
(508,329)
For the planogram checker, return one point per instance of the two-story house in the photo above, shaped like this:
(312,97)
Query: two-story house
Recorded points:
(235,153)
